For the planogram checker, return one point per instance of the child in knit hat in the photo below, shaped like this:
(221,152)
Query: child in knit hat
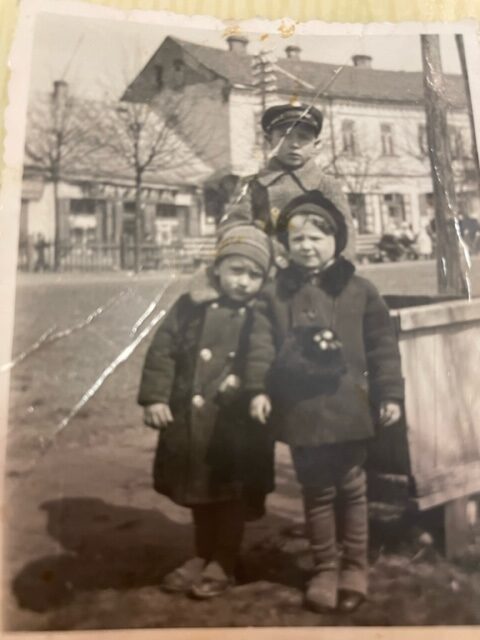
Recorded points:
(323,367)
(210,456)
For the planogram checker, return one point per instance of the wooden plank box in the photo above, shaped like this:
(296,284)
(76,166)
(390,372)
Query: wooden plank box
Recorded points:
(433,456)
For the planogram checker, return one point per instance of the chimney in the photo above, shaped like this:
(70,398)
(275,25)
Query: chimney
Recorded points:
(363,61)
(238,44)
(293,52)
(60,90)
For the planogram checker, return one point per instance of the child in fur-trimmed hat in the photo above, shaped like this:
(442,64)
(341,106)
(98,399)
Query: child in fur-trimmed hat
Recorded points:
(323,358)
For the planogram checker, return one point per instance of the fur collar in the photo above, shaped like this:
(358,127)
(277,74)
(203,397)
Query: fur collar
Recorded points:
(202,287)
(332,280)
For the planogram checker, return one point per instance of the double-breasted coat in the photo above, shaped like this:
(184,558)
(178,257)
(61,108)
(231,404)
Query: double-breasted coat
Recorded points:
(263,196)
(211,451)
(339,300)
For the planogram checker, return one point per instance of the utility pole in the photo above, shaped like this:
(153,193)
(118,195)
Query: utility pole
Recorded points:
(452,267)
(265,82)
(463,64)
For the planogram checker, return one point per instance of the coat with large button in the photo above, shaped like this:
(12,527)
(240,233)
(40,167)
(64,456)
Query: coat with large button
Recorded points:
(212,451)
(263,196)
(335,299)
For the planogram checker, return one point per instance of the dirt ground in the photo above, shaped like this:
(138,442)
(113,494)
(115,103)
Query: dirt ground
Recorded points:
(88,540)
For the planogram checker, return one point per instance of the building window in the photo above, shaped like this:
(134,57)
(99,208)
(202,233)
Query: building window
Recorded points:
(82,221)
(166,211)
(386,132)
(394,205)
(159,76)
(455,140)
(358,208)
(178,75)
(349,141)
(422,140)
(82,206)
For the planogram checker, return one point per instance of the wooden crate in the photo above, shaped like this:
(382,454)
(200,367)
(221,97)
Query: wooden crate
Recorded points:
(434,455)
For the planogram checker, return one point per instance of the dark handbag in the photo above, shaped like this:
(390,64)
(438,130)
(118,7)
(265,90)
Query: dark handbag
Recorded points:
(309,355)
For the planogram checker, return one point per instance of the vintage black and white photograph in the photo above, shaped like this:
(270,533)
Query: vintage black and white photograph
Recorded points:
(243,380)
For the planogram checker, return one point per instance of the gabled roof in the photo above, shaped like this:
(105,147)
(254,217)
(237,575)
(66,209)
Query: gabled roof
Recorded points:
(352,83)
(234,67)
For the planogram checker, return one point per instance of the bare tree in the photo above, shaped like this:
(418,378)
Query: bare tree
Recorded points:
(146,143)
(61,136)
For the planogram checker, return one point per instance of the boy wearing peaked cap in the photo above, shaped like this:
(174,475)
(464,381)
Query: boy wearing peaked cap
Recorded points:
(292,131)
(323,366)
(211,457)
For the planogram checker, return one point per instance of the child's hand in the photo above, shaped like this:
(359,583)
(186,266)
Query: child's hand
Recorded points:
(260,408)
(157,415)
(390,413)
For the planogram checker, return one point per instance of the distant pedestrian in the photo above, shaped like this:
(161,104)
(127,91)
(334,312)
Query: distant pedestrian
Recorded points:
(211,457)
(424,243)
(41,246)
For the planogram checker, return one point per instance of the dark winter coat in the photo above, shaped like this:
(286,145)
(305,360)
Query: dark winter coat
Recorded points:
(211,451)
(338,410)
(263,196)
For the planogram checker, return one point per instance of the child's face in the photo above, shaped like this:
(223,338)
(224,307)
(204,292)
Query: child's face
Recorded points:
(309,246)
(240,278)
(295,148)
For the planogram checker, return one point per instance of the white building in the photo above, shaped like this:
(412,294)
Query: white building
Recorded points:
(373,140)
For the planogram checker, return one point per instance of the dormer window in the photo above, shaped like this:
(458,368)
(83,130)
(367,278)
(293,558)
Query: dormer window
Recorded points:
(178,75)
(159,76)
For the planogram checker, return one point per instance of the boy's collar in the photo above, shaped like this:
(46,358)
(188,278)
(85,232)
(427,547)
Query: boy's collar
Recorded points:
(307,174)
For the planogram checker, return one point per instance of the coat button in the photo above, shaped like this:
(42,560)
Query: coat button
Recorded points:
(214,305)
(310,314)
(206,355)
(198,401)
(241,311)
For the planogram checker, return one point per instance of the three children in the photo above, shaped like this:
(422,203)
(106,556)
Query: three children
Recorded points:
(314,352)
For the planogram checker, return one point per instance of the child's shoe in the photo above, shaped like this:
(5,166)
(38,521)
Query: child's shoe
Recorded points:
(182,578)
(322,594)
(213,582)
(349,600)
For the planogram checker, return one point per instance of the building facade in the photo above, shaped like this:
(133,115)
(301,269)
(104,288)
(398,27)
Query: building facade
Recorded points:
(373,141)
(374,135)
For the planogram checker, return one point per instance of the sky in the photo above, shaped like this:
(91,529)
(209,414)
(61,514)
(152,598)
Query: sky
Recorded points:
(99,57)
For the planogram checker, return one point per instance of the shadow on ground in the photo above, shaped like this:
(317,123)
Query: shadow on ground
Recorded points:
(120,548)
(107,546)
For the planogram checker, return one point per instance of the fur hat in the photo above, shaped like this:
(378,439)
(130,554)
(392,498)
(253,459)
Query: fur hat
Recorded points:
(245,240)
(314,203)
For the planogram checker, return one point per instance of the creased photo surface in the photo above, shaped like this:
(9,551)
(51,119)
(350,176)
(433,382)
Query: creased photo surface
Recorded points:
(243,379)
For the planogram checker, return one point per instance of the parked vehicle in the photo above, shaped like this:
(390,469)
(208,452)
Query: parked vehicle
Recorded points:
(392,248)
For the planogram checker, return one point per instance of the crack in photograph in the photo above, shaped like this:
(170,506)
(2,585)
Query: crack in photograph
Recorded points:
(244,371)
